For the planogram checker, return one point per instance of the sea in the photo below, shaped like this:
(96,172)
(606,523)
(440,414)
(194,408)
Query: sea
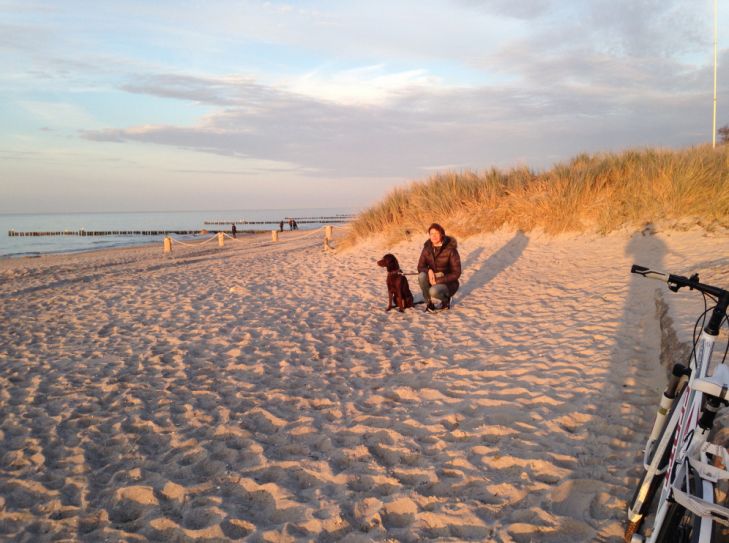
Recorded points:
(148,220)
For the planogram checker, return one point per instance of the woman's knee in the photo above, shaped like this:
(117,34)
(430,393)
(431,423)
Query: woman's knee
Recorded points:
(439,291)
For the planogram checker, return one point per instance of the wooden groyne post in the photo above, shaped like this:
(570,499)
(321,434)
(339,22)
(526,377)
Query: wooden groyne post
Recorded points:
(327,238)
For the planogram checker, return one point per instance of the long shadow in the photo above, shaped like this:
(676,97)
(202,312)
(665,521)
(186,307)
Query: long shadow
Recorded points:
(495,264)
(471,258)
(647,250)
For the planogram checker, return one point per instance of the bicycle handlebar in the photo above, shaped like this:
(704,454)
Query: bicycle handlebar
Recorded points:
(676,282)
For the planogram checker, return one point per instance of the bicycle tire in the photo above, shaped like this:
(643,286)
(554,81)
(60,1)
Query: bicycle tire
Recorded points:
(657,480)
(680,525)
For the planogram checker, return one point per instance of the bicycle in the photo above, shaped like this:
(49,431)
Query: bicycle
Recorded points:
(678,457)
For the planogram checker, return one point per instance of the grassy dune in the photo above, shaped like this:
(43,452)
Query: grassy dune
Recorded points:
(599,193)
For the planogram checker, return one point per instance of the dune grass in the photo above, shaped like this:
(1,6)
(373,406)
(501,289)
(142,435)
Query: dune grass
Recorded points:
(599,193)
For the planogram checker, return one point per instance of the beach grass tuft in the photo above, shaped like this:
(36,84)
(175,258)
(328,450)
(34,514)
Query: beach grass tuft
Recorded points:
(599,193)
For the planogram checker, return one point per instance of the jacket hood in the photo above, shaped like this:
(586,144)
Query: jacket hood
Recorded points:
(447,242)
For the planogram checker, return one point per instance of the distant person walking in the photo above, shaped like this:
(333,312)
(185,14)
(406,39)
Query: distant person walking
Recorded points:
(280,226)
(296,225)
(233,229)
(291,224)
(439,268)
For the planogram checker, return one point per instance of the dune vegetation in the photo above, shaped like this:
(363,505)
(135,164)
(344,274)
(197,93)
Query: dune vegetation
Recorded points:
(599,193)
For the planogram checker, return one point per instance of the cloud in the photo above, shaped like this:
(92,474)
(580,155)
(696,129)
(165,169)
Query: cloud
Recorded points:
(368,84)
(648,28)
(19,38)
(618,46)
(214,91)
(420,126)
(523,9)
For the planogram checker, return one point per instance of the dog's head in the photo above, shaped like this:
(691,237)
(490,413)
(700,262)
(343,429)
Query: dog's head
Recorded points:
(390,262)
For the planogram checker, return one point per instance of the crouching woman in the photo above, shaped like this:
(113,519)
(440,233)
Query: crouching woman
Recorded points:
(439,268)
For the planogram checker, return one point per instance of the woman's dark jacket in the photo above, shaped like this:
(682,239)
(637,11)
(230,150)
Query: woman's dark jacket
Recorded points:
(444,259)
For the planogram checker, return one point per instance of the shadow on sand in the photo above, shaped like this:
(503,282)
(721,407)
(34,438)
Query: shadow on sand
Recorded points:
(495,264)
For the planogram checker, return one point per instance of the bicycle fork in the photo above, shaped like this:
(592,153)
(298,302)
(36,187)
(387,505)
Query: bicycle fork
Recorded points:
(682,415)
(653,468)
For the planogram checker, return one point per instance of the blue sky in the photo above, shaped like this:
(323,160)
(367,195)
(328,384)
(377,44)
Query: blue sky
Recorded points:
(138,105)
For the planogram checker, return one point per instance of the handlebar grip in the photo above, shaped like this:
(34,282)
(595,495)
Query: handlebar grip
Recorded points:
(676,282)
(649,273)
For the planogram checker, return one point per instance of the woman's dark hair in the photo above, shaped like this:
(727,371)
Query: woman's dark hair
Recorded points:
(439,228)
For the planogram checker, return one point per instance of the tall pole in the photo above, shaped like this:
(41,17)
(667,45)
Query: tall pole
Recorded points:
(716,39)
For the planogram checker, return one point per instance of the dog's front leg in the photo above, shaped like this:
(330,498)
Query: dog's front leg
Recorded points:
(390,301)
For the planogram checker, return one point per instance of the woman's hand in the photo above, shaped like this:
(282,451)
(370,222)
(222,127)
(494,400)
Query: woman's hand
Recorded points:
(431,277)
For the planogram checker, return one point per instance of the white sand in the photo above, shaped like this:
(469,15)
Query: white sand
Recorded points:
(260,392)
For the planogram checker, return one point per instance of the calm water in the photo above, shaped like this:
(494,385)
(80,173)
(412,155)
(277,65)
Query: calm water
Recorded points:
(160,220)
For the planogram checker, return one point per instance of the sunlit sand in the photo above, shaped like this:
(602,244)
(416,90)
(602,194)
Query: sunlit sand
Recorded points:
(261,392)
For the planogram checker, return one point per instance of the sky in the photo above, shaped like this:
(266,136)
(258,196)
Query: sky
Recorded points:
(221,104)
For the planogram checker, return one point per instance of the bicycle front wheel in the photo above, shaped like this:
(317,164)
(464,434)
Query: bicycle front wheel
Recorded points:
(680,525)
(647,487)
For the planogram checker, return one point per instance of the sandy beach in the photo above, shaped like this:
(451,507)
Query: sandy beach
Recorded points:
(260,392)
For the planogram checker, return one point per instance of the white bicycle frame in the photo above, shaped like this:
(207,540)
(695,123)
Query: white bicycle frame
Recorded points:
(690,447)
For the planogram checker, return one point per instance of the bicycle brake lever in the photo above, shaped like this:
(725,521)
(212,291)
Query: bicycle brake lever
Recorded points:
(693,279)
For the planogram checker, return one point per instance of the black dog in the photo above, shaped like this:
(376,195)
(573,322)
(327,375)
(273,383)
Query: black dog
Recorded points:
(398,290)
